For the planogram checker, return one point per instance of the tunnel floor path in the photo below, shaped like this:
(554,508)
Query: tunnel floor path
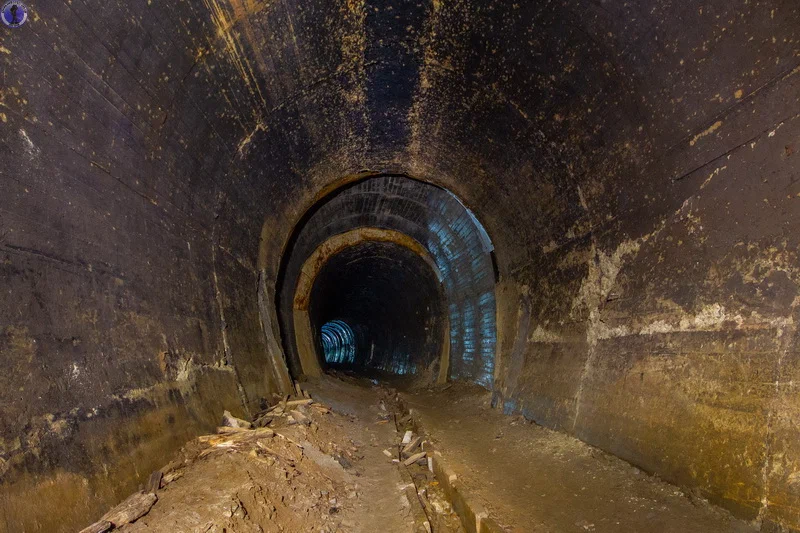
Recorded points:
(383,508)
(322,471)
(533,479)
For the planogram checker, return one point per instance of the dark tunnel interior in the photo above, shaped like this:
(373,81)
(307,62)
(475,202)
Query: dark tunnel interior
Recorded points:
(407,266)
(393,302)
(584,213)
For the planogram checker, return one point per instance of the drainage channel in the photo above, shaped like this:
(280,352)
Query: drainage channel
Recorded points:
(441,503)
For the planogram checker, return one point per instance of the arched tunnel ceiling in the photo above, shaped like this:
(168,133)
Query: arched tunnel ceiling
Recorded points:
(634,162)
(446,231)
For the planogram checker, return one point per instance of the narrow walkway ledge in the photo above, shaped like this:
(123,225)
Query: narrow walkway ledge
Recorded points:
(517,476)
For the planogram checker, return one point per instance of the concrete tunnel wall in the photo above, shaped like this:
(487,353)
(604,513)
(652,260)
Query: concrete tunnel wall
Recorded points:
(634,163)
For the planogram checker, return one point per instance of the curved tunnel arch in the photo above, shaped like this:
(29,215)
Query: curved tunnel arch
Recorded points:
(449,233)
(338,342)
(590,137)
(305,336)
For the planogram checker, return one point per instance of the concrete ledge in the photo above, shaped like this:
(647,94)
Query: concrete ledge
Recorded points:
(474,516)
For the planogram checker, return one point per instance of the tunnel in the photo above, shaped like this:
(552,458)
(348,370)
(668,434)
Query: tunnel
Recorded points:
(394,302)
(557,242)
(404,263)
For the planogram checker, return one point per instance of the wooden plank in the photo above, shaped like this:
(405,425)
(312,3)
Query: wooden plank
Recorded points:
(414,458)
(300,418)
(411,446)
(295,403)
(154,481)
(135,507)
(231,421)
(228,430)
(98,527)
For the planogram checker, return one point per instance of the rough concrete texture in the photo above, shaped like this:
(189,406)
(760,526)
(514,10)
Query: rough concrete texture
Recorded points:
(532,479)
(635,164)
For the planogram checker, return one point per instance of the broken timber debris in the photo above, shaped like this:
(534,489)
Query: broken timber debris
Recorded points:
(414,458)
(411,446)
(98,527)
(130,510)
(230,430)
(300,418)
(229,420)
(407,437)
(154,481)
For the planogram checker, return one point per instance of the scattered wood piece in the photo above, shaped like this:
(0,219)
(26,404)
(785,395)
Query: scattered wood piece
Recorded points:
(407,437)
(170,477)
(211,439)
(414,458)
(270,409)
(263,433)
(172,465)
(281,435)
(387,453)
(154,481)
(300,418)
(411,446)
(306,394)
(135,507)
(229,430)
(295,403)
(298,389)
(263,421)
(98,527)
(231,421)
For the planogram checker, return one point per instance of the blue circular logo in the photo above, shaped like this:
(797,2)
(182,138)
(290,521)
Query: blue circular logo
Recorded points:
(14,14)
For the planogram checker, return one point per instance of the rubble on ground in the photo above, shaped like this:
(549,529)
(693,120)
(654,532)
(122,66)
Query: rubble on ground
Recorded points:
(282,472)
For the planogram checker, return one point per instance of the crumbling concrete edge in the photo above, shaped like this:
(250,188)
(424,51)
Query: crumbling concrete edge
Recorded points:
(421,522)
(473,514)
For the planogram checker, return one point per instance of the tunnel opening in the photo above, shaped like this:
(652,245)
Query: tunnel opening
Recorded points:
(338,342)
(392,299)
(440,235)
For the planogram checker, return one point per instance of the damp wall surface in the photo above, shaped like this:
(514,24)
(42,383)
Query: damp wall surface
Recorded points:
(635,164)
(127,323)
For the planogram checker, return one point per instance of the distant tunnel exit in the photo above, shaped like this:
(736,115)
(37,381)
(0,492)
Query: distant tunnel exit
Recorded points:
(338,342)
